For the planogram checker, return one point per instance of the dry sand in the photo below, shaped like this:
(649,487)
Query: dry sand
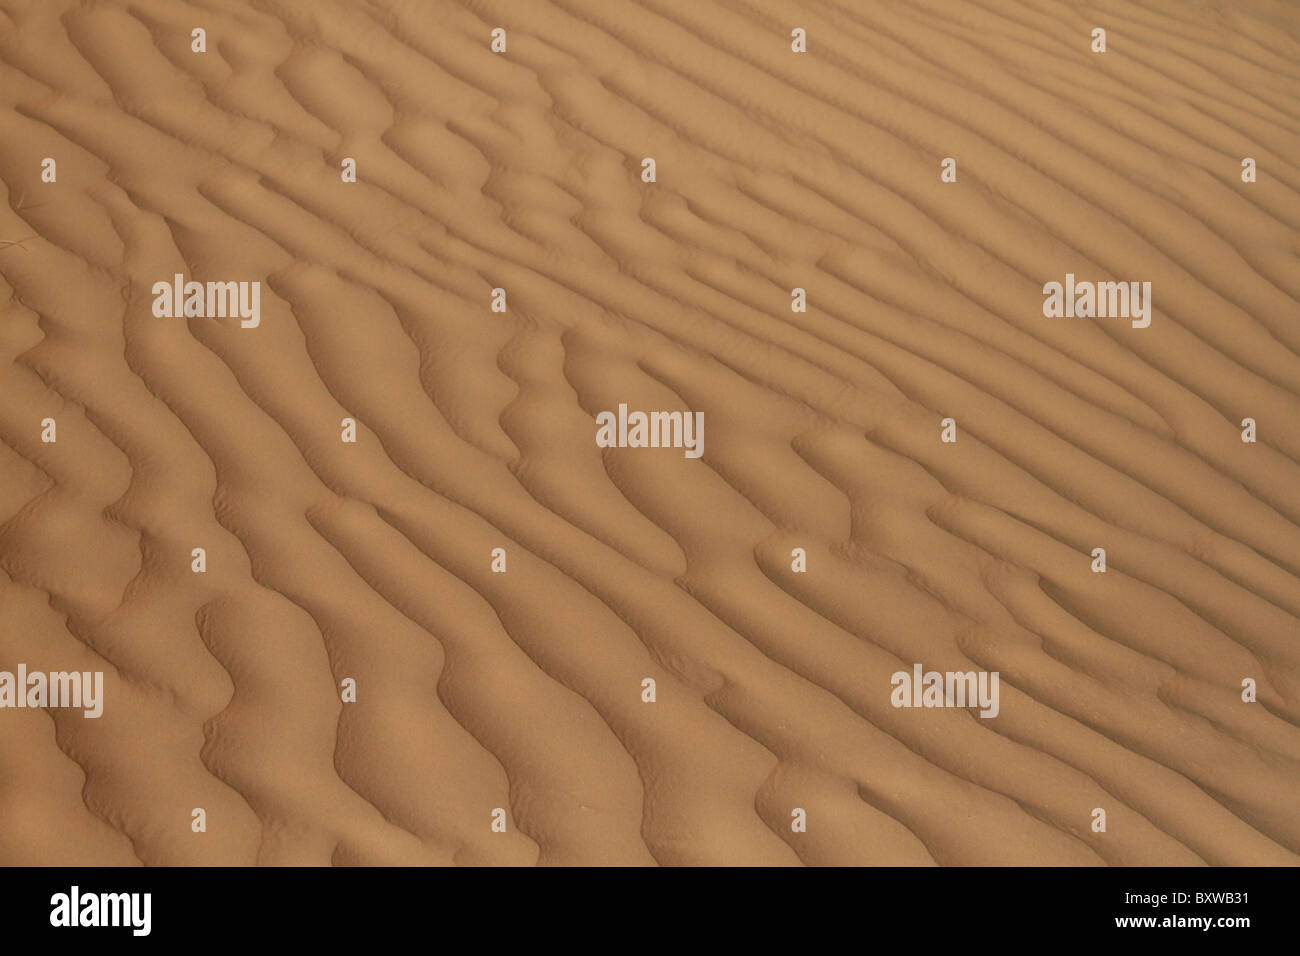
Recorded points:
(522,691)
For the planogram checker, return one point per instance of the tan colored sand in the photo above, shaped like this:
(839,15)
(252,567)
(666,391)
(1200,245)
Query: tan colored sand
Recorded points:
(522,690)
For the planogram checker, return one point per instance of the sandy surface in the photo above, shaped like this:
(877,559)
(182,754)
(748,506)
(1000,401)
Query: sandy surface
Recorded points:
(371,561)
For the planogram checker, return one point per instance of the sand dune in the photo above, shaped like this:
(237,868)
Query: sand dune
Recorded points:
(328,561)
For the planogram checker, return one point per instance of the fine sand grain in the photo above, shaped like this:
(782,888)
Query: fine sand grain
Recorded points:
(371,561)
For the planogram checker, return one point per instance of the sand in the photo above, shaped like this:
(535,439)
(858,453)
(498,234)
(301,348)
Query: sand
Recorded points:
(500,718)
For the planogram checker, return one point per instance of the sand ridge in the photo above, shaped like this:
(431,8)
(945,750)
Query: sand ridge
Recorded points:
(475,430)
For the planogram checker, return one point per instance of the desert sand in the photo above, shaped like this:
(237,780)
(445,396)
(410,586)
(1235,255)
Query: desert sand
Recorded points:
(370,563)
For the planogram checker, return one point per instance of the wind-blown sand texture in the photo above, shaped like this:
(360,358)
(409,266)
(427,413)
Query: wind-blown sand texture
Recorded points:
(775,170)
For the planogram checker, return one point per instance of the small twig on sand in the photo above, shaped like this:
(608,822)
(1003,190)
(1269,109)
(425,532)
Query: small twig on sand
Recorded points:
(17,242)
(22,198)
